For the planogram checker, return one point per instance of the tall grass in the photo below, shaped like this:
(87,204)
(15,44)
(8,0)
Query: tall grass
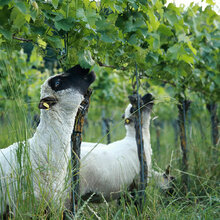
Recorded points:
(19,186)
(201,202)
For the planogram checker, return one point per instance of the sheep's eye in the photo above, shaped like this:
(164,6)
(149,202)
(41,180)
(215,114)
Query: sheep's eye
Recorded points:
(128,121)
(57,82)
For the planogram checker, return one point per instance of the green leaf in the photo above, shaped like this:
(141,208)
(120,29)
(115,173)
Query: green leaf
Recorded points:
(105,37)
(133,39)
(64,24)
(4,2)
(52,15)
(153,22)
(33,14)
(85,59)
(152,57)
(38,30)
(92,17)
(210,2)
(189,43)
(81,14)
(165,30)
(18,18)
(55,41)
(175,51)
(103,25)
(188,59)
(7,34)
(21,6)
(156,43)
(55,3)
(129,26)
(35,59)
(171,17)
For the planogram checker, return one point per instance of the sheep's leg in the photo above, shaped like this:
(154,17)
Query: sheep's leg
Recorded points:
(132,190)
(67,215)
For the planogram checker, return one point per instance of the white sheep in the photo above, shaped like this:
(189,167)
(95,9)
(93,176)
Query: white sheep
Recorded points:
(49,149)
(109,169)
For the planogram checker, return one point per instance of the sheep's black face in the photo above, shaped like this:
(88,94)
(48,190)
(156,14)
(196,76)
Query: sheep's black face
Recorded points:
(67,89)
(76,77)
(146,103)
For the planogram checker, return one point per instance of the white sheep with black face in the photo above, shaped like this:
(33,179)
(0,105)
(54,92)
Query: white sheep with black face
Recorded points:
(109,169)
(49,148)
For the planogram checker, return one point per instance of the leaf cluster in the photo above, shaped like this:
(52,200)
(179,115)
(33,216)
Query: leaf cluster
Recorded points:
(169,44)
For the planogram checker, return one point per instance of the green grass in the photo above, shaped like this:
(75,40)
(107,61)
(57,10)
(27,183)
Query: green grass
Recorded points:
(201,202)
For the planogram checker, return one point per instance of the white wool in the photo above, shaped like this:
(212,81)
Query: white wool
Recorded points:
(49,148)
(108,169)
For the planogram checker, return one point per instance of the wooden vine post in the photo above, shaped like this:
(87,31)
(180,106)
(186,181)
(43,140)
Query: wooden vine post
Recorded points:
(212,108)
(76,139)
(135,100)
(106,127)
(183,107)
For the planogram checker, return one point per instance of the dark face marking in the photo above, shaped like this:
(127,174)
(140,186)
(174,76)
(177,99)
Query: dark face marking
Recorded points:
(131,110)
(76,77)
(146,101)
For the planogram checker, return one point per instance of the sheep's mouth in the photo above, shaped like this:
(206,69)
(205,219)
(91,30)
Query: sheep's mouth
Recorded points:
(47,102)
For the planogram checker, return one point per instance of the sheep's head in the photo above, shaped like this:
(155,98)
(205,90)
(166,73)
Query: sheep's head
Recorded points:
(66,90)
(146,103)
(166,182)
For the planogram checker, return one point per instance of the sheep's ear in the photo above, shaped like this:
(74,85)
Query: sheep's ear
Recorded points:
(167,171)
(132,99)
(148,98)
(83,73)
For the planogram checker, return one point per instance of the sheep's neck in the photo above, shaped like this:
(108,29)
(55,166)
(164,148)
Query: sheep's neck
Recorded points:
(54,132)
(131,133)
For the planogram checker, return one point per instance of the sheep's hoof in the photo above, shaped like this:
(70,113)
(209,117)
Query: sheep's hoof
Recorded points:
(67,215)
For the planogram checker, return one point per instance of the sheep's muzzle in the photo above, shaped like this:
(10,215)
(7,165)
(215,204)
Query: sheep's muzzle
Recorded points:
(47,102)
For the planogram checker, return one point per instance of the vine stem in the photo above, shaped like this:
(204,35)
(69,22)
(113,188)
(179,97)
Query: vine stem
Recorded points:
(21,39)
